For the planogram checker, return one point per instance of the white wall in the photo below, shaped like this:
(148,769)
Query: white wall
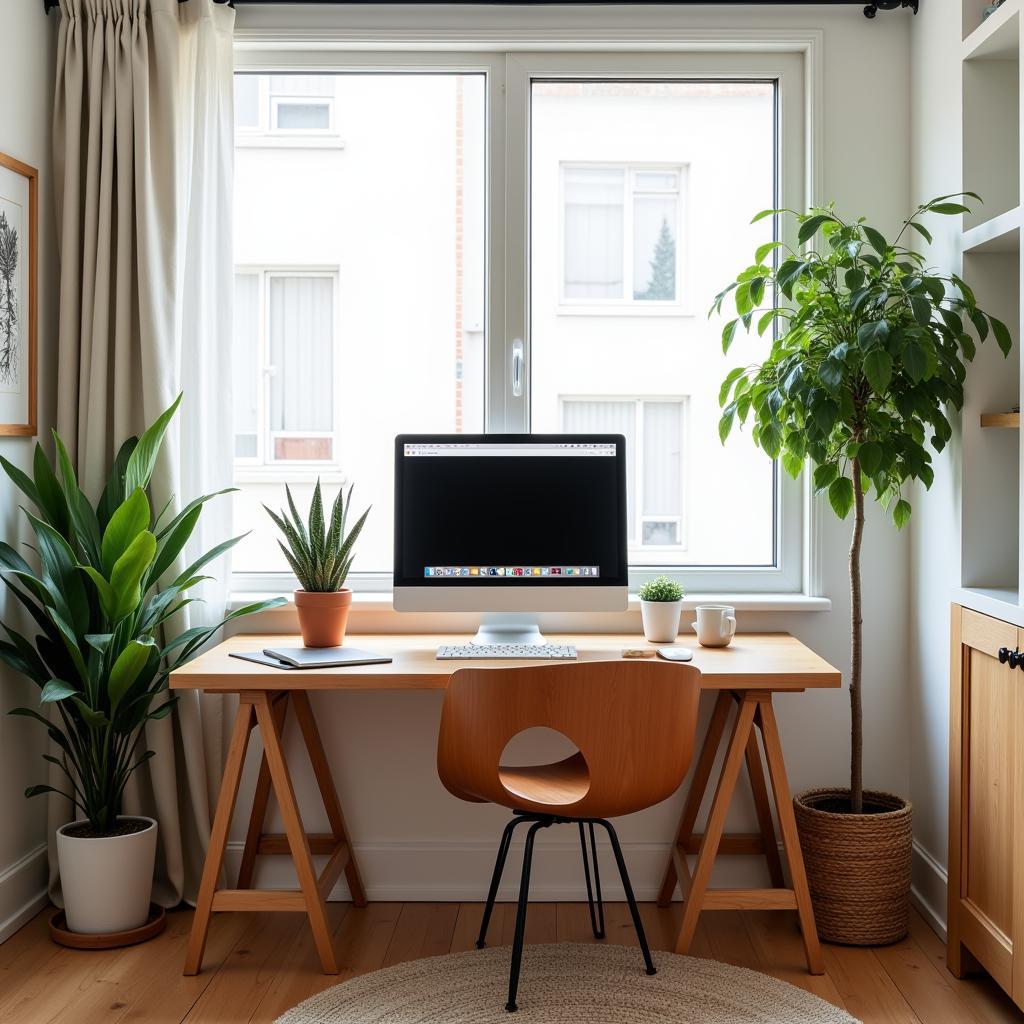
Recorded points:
(935,530)
(26,82)
(413,839)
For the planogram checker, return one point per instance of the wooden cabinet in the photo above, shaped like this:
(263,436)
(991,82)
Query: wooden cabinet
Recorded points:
(986,805)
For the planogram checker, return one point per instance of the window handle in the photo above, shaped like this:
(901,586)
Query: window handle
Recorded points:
(517,367)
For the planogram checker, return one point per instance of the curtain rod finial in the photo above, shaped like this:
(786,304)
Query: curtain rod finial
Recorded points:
(889,5)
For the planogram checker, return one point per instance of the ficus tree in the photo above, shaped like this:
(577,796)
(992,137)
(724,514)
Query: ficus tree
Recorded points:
(867,357)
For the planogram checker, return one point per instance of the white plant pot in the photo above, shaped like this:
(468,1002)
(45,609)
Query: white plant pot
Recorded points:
(107,883)
(661,620)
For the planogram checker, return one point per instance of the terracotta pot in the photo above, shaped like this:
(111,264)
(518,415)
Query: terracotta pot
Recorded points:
(323,616)
(858,865)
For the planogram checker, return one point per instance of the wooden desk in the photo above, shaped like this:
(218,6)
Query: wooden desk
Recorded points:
(744,675)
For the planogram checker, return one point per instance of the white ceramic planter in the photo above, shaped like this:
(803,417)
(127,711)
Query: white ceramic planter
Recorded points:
(107,883)
(661,620)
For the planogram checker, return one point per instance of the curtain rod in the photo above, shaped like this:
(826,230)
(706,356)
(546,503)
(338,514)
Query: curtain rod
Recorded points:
(870,10)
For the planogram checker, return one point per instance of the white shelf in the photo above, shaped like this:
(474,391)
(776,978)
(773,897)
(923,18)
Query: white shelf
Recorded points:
(997,37)
(1000,603)
(1000,234)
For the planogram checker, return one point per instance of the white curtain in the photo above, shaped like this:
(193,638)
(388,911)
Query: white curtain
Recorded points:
(143,149)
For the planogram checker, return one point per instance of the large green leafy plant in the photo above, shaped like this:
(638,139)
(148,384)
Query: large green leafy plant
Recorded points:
(104,647)
(868,354)
(319,551)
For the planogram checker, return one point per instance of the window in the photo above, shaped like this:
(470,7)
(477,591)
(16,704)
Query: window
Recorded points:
(653,428)
(620,233)
(282,360)
(359,299)
(300,107)
(427,278)
(695,504)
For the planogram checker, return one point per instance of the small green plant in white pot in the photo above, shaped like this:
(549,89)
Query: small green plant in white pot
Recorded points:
(661,603)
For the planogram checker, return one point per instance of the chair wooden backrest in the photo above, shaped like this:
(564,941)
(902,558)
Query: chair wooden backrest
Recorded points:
(634,724)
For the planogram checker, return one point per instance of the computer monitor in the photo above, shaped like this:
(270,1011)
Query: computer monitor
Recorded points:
(510,525)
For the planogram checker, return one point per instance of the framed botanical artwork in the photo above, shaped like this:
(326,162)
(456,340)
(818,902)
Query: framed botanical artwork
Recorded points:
(19,259)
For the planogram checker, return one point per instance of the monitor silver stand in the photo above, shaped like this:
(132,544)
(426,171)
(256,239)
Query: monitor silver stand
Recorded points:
(508,628)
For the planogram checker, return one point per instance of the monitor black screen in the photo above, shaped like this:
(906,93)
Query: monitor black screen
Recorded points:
(505,510)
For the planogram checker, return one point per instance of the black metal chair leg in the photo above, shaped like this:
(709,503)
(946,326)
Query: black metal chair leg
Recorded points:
(499,867)
(597,880)
(630,898)
(596,920)
(524,897)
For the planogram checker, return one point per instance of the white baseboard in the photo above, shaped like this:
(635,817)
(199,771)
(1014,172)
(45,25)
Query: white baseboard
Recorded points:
(450,872)
(928,889)
(23,891)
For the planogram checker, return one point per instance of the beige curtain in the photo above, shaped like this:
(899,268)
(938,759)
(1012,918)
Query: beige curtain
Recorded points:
(143,164)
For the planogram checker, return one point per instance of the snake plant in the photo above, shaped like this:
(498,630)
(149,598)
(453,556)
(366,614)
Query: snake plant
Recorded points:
(104,645)
(319,551)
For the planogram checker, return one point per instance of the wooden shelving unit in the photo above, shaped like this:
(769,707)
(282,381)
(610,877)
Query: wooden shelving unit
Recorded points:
(986,880)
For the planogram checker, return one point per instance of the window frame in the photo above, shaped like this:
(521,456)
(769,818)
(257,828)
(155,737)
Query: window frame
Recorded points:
(264,467)
(627,304)
(791,60)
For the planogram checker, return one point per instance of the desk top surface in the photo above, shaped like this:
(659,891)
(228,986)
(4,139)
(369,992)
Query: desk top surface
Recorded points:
(767,661)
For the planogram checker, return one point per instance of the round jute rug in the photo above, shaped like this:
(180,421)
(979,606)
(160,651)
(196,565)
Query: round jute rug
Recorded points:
(565,984)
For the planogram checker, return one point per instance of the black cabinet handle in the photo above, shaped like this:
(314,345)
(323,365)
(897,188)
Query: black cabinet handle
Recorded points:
(1014,658)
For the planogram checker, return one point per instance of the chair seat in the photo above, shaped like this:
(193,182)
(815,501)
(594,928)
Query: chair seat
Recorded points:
(558,785)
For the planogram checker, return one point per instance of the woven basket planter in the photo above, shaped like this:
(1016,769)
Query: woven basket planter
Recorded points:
(858,865)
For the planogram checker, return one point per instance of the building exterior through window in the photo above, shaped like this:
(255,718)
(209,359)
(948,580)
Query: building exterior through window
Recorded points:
(360,291)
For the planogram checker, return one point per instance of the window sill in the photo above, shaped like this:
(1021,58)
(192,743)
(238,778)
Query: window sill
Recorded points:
(381,601)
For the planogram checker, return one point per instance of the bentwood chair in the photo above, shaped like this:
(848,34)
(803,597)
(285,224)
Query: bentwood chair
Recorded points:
(633,724)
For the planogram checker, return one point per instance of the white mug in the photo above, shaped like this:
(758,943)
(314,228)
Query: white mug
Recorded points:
(715,625)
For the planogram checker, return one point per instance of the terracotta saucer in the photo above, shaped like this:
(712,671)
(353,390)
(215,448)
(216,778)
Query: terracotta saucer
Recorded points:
(112,940)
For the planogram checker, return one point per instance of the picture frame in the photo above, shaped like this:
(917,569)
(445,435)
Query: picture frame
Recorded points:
(19,297)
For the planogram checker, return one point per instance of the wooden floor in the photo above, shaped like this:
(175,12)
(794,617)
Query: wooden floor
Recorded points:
(261,965)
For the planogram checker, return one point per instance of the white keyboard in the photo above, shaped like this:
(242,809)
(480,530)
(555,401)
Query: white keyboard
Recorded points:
(476,652)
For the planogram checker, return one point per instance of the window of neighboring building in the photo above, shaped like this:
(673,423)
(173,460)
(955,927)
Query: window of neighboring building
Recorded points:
(283,360)
(621,229)
(653,428)
(293,106)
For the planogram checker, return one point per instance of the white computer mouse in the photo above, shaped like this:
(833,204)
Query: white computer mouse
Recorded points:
(675,653)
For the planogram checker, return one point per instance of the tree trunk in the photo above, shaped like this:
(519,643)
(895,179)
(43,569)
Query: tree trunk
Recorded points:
(856,643)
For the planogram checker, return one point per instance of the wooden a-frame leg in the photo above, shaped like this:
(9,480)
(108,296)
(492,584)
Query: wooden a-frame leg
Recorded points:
(790,837)
(762,804)
(695,796)
(260,800)
(298,841)
(335,815)
(219,835)
(716,822)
